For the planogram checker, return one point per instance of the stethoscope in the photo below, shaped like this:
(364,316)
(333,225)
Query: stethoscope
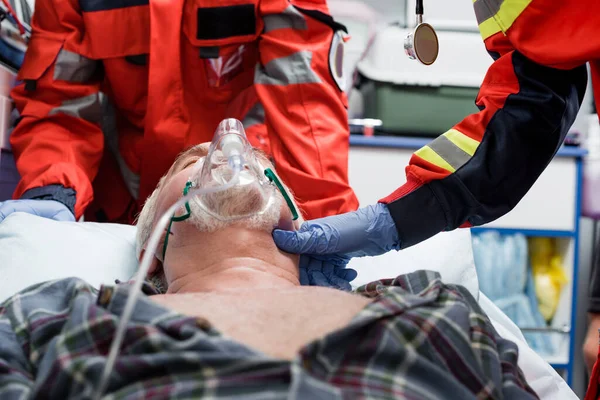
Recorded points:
(422,44)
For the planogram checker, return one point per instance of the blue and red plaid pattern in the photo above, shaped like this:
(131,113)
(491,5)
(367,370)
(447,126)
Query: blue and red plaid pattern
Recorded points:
(417,339)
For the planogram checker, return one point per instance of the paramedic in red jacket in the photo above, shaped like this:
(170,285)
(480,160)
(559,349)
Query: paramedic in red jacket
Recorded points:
(481,168)
(113,90)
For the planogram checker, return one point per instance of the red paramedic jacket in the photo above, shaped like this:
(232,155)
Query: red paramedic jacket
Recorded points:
(482,167)
(113,90)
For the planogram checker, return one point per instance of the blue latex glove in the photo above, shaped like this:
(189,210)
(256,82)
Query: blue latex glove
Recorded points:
(322,271)
(43,208)
(332,241)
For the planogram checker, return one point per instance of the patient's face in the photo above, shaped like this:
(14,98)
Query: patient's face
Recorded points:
(171,189)
(239,200)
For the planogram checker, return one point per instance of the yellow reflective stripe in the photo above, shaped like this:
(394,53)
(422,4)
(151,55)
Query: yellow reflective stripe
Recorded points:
(462,141)
(509,12)
(428,154)
(488,28)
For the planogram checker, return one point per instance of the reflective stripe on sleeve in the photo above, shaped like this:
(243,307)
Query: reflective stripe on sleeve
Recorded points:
(449,151)
(255,116)
(293,69)
(111,135)
(462,141)
(495,16)
(88,108)
(290,18)
(72,67)
(486,9)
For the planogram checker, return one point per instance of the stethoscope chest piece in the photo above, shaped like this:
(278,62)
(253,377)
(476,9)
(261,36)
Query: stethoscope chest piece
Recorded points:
(422,43)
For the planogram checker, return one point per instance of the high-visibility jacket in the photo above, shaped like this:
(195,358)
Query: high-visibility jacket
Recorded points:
(482,167)
(113,90)
(593,392)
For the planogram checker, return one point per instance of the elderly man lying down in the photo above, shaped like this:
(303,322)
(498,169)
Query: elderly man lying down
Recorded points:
(227,317)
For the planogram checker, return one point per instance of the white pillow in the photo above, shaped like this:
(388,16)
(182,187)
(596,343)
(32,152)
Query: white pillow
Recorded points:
(34,249)
(449,253)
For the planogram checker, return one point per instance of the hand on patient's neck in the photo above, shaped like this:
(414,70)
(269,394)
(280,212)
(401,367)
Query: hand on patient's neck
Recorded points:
(231,259)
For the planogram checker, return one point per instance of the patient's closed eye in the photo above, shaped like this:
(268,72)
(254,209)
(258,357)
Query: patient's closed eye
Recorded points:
(191,161)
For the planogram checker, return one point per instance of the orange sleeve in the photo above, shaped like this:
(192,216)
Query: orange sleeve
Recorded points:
(482,167)
(305,109)
(58,140)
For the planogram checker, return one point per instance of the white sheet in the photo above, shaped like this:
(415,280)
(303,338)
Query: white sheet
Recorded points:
(449,253)
(539,374)
(34,250)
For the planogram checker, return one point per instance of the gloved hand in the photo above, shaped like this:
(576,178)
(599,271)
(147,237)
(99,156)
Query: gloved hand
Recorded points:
(333,241)
(321,271)
(43,208)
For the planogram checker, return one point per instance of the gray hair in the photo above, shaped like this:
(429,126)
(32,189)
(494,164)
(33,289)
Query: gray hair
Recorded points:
(145,221)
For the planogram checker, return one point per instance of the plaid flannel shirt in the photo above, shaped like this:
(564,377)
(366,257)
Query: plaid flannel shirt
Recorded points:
(417,339)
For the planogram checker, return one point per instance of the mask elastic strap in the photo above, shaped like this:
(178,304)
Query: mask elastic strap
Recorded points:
(269,173)
(185,216)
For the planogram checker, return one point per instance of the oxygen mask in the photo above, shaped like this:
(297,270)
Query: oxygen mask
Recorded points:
(230,154)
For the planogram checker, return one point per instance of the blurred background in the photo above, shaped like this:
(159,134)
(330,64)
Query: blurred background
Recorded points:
(535,262)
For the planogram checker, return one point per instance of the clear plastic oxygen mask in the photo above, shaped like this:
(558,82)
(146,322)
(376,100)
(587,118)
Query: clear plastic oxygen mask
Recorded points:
(230,165)
(229,154)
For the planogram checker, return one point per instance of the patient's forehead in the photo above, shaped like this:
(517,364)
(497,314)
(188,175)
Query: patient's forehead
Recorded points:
(199,150)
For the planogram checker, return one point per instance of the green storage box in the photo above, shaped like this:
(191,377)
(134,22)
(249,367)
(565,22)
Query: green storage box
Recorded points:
(412,99)
(417,110)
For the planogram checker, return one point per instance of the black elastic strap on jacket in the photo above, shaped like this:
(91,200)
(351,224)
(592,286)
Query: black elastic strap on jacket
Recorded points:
(209,52)
(324,18)
(106,5)
(30,85)
(139,59)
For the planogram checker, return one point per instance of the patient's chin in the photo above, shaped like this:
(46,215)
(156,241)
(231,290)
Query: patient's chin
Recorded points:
(234,202)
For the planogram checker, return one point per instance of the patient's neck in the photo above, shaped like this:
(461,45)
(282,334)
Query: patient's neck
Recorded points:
(231,259)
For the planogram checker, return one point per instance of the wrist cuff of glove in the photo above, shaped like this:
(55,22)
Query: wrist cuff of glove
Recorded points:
(63,195)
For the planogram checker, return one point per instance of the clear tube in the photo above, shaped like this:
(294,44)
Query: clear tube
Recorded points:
(136,288)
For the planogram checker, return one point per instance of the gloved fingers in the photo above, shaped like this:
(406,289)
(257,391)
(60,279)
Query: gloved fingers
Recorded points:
(64,216)
(57,211)
(303,278)
(347,274)
(332,271)
(315,270)
(288,241)
(3,211)
(7,208)
(340,283)
(317,278)
(303,269)
(42,208)
(323,273)
(310,239)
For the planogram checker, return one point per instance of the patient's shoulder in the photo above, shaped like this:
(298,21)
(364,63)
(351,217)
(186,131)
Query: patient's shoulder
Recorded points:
(52,294)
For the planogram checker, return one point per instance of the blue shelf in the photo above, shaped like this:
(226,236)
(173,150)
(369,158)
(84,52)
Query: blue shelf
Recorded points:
(415,143)
(528,232)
